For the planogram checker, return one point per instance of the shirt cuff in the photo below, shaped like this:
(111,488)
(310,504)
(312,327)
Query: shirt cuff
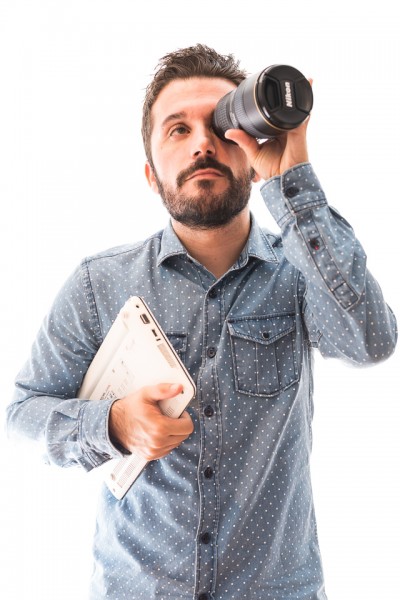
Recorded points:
(295,190)
(95,439)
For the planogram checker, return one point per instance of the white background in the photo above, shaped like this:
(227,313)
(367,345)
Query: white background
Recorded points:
(72,183)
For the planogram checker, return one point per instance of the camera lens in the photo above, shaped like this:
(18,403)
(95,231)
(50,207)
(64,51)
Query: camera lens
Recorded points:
(266,104)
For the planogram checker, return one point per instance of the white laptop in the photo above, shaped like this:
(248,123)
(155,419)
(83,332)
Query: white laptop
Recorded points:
(135,353)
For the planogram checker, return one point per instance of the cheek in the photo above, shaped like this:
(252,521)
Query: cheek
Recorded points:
(161,157)
(167,165)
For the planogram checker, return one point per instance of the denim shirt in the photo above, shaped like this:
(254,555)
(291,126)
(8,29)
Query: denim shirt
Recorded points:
(227,515)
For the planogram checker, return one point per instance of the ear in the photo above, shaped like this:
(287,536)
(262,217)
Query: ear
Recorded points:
(256,178)
(151,180)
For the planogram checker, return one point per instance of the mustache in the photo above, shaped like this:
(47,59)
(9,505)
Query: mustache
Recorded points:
(203,163)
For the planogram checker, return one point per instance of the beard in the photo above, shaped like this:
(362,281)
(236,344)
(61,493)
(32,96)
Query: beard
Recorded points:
(206,209)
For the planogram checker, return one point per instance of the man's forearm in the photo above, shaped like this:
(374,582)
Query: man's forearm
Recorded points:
(345,311)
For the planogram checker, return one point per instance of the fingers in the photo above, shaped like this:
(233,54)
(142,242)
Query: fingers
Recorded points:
(182,426)
(137,423)
(153,453)
(159,442)
(168,426)
(247,143)
(250,147)
(274,156)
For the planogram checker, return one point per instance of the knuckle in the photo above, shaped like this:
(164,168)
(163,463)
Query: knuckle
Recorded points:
(150,452)
(161,431)
(156,444)
(148,455)
(157,439)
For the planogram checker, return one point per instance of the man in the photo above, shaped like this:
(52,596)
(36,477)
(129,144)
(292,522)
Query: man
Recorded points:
(224,509)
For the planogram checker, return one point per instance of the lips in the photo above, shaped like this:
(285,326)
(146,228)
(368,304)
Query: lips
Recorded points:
(203,168)
(204,173)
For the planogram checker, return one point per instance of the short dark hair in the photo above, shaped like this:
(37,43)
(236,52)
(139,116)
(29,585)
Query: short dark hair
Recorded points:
(194,61)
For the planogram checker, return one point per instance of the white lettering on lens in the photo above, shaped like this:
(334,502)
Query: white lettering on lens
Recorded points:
(288,94)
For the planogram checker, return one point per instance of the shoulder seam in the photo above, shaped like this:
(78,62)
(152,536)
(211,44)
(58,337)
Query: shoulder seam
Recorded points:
(120,250)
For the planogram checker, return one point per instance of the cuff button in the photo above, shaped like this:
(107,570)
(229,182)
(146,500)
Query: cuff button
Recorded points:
(315,244)
(291,192)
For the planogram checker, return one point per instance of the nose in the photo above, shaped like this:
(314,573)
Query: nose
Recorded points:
(203,143)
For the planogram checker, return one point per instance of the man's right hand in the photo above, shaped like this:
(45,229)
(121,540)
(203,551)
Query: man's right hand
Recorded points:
(137,423)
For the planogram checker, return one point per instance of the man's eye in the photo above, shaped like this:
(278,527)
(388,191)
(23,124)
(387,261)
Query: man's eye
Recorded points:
(179,130)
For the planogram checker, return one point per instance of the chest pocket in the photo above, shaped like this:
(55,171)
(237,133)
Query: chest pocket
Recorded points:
(178,341)
(264,353)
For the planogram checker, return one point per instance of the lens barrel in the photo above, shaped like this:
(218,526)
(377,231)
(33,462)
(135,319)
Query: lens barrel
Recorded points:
(266,104)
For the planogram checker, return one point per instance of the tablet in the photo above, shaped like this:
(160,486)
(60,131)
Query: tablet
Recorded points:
(135,353)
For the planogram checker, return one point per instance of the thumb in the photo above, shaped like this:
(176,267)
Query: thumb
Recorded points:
(161,391)
(247,143)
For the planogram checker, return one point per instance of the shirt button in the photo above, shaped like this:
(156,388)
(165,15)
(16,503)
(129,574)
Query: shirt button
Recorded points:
(208,472)
(211,352)
(315,244)
(203,596)
(205,538)
(212,293)
(291,192)
(209,411)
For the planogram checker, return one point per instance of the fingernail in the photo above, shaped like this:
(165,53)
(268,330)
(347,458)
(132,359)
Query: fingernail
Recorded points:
(175,388)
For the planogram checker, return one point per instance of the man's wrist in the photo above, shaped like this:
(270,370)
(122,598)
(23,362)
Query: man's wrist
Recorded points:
(296,189)
(115,419)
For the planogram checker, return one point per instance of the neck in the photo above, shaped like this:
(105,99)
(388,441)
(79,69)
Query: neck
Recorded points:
(216,249)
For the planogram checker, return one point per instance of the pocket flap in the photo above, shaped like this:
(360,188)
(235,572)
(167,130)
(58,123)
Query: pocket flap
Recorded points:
(178,341)
(263,329)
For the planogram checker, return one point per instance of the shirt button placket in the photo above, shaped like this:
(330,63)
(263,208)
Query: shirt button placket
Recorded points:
(208,468)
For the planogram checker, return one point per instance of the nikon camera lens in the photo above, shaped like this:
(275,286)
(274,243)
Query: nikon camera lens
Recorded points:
(265,105)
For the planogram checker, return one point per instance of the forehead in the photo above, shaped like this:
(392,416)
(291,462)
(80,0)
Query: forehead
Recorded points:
(188,96)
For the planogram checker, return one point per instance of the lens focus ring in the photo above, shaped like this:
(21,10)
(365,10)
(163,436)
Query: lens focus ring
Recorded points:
(220,117)
(221,120)
(242,116)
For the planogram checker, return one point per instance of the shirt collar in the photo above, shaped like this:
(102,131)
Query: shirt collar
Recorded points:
(258,245)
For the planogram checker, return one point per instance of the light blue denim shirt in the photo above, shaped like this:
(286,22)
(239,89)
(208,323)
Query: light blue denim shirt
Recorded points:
(228,515)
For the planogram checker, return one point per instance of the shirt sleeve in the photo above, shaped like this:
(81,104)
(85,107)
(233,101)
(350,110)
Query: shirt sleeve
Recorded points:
(45,408)
(344,311)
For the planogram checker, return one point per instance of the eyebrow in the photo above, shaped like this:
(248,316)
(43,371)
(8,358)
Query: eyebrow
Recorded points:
(173,117)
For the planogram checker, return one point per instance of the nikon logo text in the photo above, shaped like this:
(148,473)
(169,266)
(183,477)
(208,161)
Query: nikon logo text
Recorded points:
(288,94)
